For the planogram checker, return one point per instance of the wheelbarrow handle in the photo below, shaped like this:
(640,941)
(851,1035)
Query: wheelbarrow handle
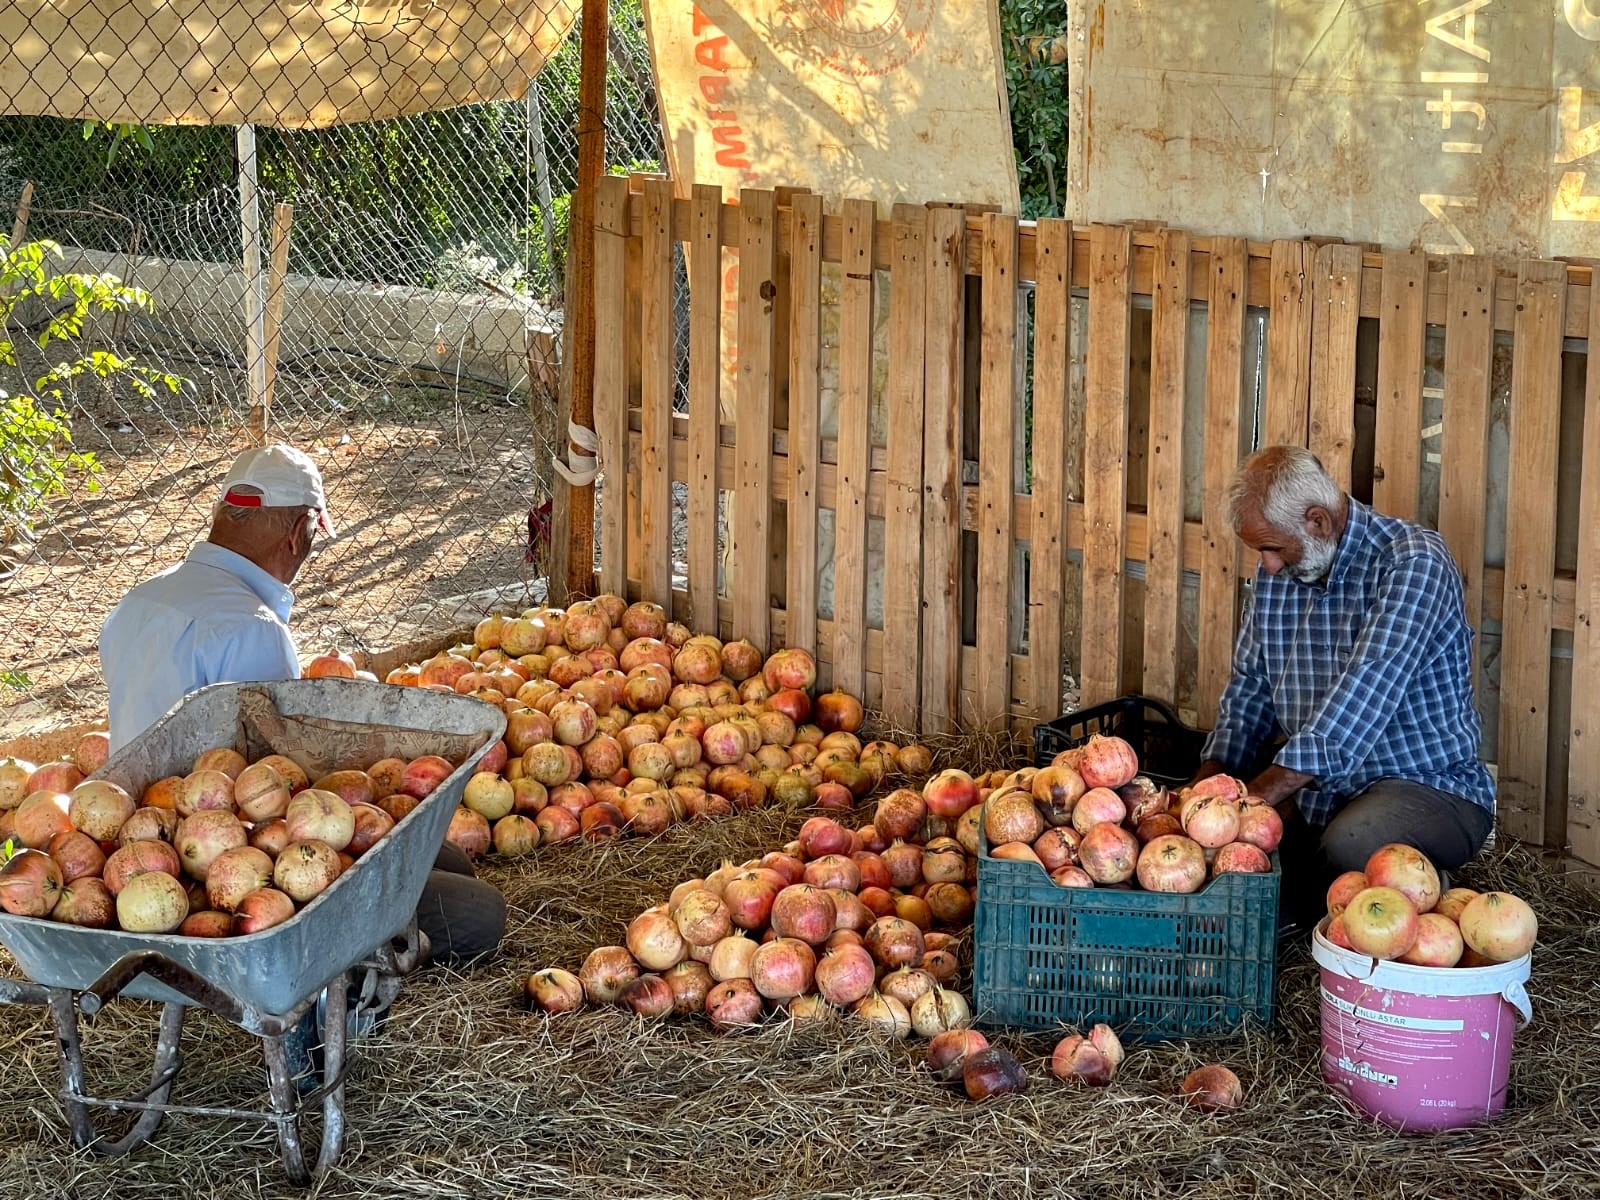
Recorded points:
(165,971)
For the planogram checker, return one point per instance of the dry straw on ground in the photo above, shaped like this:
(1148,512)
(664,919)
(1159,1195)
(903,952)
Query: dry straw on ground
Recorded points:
(466,1094)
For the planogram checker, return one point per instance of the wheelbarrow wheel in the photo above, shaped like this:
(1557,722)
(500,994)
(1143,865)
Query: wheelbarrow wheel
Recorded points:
(289,1107)
(64,1015)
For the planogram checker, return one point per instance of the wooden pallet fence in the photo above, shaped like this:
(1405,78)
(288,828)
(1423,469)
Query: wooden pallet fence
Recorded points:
(1009,494)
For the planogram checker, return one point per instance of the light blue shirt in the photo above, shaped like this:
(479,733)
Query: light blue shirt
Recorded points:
(216,617)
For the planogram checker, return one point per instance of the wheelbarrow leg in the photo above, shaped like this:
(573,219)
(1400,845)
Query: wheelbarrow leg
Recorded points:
(64,1014)
(286,1101)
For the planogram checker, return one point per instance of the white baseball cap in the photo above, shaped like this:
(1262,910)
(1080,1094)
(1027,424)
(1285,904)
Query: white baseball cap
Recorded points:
(276,477)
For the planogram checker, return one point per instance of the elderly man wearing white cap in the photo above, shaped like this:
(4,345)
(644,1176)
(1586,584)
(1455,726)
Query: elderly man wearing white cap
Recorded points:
(222,614)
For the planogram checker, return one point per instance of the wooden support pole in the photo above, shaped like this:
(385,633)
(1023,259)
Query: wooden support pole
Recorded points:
(277,271)
(580,282)
(255,284)
(19,227)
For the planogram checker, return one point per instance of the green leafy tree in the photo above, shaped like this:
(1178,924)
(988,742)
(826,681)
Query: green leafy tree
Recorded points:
(37,456)
(1034,46)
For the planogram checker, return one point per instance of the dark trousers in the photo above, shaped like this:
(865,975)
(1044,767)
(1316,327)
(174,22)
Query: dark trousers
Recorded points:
(1448,829)
(462,916)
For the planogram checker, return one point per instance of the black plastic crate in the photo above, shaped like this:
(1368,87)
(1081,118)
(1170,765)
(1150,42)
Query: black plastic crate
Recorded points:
(1168,750)
(1152,965)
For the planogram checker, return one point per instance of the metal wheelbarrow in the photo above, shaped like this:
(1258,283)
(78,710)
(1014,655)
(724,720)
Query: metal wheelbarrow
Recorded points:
(361,931)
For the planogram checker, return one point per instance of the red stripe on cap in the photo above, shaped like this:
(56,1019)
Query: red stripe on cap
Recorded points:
(241,499)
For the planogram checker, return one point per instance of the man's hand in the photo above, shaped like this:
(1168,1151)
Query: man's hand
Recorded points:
(1277,786)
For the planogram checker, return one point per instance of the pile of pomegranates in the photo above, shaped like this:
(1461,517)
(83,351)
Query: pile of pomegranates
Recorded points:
(1392,909)
(1090,819)
(839,921)
(622,722)
(233,847)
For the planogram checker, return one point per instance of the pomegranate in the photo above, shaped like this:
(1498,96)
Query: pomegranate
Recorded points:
(234,875)
(950,794)
(39,817)
(1012,817)
(318,816)
(1334,931)
(833,871)
(654,940)
(1144,798)
(992,1072)
(837,711)
(702,918)
(1108,853)
(77,854)
(1212,1088)
(795,705)
(894,942)
(30,884)
(1095,806)
(1344,889)
(1381,922)
(783,968)
(262,909)
(152,903)
(733,1004)
(371,824)
(1240,858)
(87,902)
(1438,944)
(335,664)
(98,807)
(644,620)
(790,669)
(845,975)
(1071,877)
(135,859)
(939,1011)
(1498,926)
(950,903)
(1408,871)
(1224,787)
(1261,826)
(948,1051)
(353,787)
(270,838)
(554,991)
(424,774)
(1160,825)
(1213,822)
(885,1014)
(1107,762)
(53,777)
(731,958)
(14,776)
(1454,902)
(804,912)
(741,660)
(201,838)
(1172,863)
(305,870)
(647,996)
(203,791)
(690,982)
(1057,848)
(605,972)
(1079,1058)
(261,793)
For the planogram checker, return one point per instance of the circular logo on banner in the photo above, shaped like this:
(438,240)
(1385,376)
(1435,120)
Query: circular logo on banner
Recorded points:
(860,37)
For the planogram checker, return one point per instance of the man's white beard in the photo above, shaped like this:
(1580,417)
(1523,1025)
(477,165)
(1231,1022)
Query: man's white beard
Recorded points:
(1316,558)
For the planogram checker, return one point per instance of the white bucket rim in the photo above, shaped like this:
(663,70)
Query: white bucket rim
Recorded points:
(1491,980)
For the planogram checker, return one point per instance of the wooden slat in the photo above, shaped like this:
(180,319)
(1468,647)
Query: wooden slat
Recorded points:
(704,264)
(1163,578)
(610,380)
(902,556)
(1224,435)
(805,417)
(1583,763)
(855,404)
(1464,444)
(1105,453)
(1402,337)
(1535,422)
(1047,538)
(657,379)
(1335,297)
(749,523)
(943,340)
(996,471)
(1289,344)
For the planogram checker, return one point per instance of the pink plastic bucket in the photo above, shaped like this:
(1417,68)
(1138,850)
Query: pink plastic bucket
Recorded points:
(1419,1048)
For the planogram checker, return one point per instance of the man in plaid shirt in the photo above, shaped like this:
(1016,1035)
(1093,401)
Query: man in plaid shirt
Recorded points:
(1350,707)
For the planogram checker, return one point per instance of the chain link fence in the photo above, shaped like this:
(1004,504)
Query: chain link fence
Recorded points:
(417,357)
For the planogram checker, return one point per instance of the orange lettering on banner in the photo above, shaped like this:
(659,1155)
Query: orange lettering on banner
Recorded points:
(709,54)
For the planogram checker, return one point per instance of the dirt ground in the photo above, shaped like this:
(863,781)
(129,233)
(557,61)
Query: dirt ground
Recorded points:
(430,490)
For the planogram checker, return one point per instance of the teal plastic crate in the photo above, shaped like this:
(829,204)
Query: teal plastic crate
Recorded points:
(1152,965)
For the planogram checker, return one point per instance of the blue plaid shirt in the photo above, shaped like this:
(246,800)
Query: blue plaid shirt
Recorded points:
(1368,676)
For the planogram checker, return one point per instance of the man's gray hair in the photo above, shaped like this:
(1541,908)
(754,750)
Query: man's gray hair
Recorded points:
(239,516)
(1282,483)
